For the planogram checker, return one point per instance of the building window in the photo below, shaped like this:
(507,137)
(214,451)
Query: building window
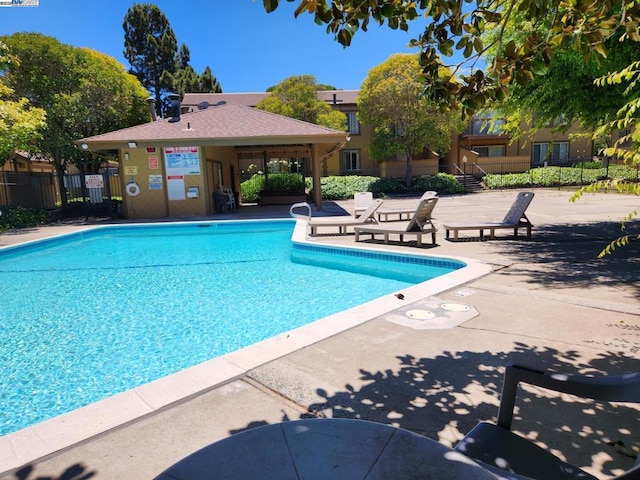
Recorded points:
(539,152)
(487,125)
(351,160)
(490,151)
(561,152)
(557,152)
(352,123)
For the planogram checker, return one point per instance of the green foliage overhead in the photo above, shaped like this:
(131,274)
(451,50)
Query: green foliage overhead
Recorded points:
(404,120)
(461,25)
(297,97)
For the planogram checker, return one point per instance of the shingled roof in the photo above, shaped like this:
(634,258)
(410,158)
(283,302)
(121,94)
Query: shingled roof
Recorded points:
(226,124)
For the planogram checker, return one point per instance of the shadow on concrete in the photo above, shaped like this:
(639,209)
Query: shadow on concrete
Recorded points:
(74,472)
(445,396)
(573,251)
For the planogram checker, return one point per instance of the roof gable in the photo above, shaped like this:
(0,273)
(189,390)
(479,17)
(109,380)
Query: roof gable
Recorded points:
(226,123)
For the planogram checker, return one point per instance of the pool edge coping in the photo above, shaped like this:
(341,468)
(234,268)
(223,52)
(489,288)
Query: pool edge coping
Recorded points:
(64,431)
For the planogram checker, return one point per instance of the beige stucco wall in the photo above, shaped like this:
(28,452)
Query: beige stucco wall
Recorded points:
(148,169)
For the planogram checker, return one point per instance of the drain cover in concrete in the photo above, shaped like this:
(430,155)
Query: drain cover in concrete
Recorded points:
(432,313)
(420,314)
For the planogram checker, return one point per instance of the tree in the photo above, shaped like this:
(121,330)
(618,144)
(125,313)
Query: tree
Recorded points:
(83,93)
(186,80)
(459,25)
(297,97)
(208,82)
(568,90)
(404,120)
(151,49)
(20,123)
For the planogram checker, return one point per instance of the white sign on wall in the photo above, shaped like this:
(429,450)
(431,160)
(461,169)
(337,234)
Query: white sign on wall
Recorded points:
(93,181)
(182,160)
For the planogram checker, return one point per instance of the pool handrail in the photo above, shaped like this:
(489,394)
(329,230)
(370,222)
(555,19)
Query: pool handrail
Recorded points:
(297,215)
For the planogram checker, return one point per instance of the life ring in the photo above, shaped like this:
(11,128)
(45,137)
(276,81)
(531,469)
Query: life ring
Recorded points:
(132,189)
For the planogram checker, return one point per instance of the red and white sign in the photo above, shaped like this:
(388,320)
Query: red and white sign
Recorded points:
(93,181)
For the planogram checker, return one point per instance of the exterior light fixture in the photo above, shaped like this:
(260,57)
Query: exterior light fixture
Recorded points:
(84,146)
(126,155)
(133,144)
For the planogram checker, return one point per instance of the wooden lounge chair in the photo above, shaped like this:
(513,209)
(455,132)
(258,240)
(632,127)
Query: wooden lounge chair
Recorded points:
(385,212)
(419,225)
(515,218)
(342,222)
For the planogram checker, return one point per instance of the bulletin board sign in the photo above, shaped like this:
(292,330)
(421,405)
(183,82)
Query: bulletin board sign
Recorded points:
(182,161)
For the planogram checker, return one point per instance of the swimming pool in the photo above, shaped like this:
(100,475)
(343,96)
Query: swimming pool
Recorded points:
(102,311)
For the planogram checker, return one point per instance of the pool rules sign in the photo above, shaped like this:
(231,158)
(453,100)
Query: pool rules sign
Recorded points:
(180,161)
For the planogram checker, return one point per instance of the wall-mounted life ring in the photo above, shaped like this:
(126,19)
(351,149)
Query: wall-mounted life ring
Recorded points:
(132,189)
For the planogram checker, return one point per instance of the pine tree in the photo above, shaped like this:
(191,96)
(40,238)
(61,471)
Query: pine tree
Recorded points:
(151,49)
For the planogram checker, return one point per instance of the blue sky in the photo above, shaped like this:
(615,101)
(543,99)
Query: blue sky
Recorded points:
(247,49)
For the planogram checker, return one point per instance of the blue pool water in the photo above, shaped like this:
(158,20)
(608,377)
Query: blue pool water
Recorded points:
(96,313)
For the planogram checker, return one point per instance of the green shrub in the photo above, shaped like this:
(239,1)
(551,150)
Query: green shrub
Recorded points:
(21,217)
(278,182)
(558,176)
(286,182)
(589,165)
(443,183)
(251,188)
(344,187)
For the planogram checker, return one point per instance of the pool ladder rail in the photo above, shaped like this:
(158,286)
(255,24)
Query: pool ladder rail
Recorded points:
(300,205)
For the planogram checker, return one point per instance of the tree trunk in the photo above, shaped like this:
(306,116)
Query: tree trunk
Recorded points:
(409,173)
(60,168)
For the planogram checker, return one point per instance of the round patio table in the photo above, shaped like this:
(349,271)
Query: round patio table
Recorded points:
(336,449)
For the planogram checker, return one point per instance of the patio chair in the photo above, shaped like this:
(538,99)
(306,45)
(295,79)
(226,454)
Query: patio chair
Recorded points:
(342,222)
(515,218)
(385,212)
(361,201)
(419,225)
(228,196)
(511,456)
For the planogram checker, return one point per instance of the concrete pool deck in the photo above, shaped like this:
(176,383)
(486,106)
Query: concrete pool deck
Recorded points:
(548,301)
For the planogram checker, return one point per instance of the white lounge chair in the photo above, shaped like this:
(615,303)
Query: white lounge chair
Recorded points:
(419,225)
(342,222)
(361,201)
(515,218)
(385,212)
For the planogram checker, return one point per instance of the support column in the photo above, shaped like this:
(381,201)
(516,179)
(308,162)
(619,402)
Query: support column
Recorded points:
(315,172)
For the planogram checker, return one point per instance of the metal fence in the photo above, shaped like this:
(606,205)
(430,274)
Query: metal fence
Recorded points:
(86,195)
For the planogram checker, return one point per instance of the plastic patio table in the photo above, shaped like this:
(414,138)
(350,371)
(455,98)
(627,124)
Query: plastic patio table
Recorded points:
(337,449)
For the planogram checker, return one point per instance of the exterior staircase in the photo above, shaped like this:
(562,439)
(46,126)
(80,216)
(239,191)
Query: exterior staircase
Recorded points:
(471,184)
